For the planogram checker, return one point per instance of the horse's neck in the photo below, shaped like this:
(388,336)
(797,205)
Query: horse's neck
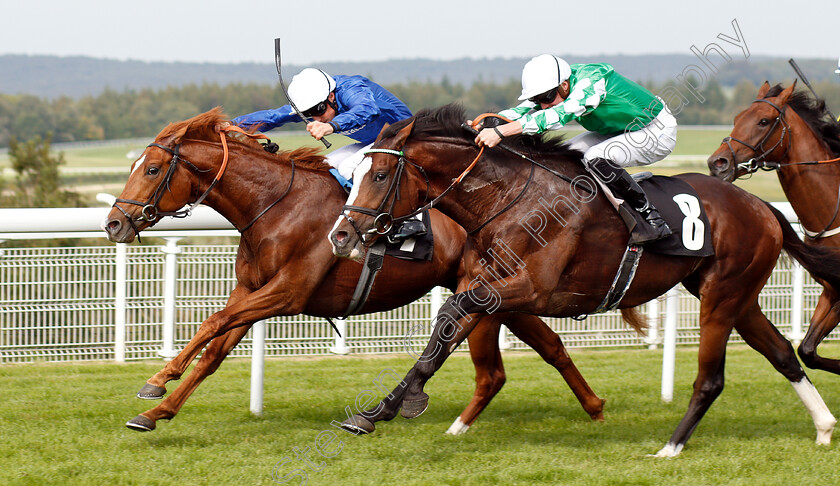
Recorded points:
(251,183)
(482,193)
(501,188)
(812,190)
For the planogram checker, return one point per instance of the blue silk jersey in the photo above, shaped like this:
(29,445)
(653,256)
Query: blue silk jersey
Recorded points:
(364,108)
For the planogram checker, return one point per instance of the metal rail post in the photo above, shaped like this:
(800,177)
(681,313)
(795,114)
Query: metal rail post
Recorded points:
(170,284)
(340,346)
(669,344)
(120,283)
(797,303)
(257,367)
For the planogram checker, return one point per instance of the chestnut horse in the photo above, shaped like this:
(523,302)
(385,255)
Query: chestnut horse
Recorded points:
(567,267)
(284,264)
(803,145)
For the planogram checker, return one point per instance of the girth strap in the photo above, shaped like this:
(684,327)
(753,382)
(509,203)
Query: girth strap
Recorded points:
(373,264)
(623,279)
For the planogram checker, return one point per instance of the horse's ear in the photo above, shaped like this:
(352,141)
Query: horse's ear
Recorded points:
(763,90)
(379,137)
(175,138)
(785,94)
(402,135)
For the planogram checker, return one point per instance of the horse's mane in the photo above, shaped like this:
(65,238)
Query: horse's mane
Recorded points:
(446,121)
(813,111)
(203,127)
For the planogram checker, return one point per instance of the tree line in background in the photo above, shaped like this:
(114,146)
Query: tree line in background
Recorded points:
(143,113)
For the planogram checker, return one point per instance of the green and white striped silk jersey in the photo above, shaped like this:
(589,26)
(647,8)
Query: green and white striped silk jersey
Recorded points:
(600,99)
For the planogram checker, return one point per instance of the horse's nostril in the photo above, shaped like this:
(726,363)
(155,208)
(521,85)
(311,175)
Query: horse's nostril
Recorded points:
(340,236)
(113,225)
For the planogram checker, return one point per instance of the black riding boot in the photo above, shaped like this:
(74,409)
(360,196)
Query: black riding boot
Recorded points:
(625,187)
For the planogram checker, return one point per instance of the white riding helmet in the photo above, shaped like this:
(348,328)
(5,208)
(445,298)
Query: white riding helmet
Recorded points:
(543,73)
(310,87)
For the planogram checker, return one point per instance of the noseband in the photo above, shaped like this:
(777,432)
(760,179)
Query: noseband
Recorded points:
(760,162)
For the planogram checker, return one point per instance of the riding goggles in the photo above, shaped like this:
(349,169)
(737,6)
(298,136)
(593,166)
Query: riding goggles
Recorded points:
(544,98)
(316,110)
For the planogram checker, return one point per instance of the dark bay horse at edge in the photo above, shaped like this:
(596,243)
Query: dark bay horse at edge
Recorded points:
(791,133)
(569,269)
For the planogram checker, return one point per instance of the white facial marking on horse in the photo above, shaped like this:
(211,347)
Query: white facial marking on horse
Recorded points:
(137,163)
(358,175)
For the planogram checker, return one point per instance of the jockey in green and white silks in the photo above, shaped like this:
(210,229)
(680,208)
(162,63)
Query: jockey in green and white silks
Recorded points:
(627,126)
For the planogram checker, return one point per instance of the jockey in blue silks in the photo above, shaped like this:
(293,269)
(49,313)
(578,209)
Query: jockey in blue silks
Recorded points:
(353,106)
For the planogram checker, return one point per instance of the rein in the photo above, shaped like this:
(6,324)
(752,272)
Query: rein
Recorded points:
(150,211)
(384,221)
(756,163)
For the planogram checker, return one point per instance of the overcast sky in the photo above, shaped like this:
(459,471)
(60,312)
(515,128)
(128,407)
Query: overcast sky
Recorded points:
(366,30)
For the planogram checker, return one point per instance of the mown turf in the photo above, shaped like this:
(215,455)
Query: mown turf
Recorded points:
(63,424)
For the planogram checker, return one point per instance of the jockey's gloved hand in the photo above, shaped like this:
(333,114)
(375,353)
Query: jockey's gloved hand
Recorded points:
(410,228)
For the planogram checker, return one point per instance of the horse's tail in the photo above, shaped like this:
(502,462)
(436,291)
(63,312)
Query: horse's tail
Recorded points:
(635,319)
(822,262)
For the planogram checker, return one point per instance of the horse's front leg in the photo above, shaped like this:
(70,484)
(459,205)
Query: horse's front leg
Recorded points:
(155,386)
(453,323)
(211,359)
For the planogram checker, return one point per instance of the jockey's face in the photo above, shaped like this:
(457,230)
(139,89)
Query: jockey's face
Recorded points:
(562,92)
(329,113)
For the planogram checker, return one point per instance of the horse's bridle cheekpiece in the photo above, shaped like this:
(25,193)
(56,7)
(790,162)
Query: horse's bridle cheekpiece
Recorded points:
(759,162)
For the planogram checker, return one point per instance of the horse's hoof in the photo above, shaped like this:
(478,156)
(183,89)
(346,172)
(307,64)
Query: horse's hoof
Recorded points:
(358,425)
(598,415)
(141,424)
(151,392)
(414,408)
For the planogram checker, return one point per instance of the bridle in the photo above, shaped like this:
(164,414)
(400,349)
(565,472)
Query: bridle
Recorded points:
(150,211)
(754,164)
(383,221)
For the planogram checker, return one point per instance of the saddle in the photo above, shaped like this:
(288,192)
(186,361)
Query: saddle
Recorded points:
(680,207)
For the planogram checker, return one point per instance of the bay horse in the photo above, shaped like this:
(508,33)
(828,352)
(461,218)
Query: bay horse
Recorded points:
(802,144)
(567,267)
(284,263)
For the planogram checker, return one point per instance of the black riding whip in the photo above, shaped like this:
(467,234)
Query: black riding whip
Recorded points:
(283,85)
(805,80)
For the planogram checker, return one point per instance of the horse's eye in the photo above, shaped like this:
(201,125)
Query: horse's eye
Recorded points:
(380,176)
(763,122)
(152,171)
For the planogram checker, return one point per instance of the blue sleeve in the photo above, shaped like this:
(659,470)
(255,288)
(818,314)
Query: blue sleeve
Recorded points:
(359,105)
(267,119)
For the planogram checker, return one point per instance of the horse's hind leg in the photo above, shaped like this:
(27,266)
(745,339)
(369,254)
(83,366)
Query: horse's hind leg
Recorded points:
(825,319)
(536,334)
(762,336)
(490,373)
(453,325)
(211,359)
